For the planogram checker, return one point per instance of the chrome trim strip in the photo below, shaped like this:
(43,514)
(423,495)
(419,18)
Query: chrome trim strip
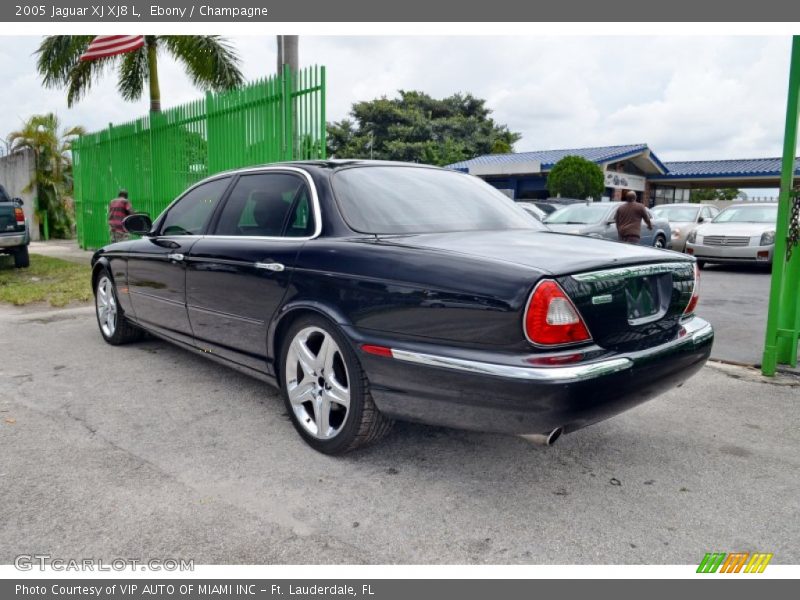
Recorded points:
(254,171)
(633,271)
(551,374)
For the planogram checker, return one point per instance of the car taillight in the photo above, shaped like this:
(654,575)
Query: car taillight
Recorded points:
(689,310)
(19,215)
(551,318)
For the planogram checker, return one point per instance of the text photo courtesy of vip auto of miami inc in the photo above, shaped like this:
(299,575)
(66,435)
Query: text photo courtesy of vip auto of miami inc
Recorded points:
(506,302)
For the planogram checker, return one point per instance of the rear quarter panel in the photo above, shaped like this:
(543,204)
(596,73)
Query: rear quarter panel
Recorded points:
(410,293)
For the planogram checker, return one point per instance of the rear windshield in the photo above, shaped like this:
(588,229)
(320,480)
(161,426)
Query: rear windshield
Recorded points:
(578,214)
(400,200)
(676,213)
(748,214)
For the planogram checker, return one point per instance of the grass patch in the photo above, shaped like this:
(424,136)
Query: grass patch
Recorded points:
(52,280)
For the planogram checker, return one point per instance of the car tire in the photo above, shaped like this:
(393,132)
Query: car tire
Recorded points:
(701,264)
(114,327)
(660,242)
(22,259)
(325,390)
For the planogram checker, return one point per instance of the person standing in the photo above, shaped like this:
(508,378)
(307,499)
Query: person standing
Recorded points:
(119,208)
(629,219)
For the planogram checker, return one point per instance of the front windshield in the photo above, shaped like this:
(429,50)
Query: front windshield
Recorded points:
(401,200)
(748,214)
(578,214)
(678,214)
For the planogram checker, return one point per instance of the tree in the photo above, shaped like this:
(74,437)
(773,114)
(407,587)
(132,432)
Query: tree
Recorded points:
(576,177)
(418,128)
(209,60)
(711,194)
(52,178)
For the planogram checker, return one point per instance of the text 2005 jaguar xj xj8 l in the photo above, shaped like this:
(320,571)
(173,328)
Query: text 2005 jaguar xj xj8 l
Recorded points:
(373,291)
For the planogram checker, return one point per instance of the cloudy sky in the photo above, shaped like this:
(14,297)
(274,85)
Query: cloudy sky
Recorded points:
(688,97)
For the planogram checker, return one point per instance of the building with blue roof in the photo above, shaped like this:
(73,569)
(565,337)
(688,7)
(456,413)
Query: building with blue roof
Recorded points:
(523,175)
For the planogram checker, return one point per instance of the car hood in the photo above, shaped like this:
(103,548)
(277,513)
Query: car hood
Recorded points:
(741,229)
(571,228)
(546,251)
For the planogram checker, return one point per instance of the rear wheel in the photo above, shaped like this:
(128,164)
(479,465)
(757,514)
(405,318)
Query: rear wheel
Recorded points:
(22,259)
(114,327)
(325,389)
(701,264)
(660,242)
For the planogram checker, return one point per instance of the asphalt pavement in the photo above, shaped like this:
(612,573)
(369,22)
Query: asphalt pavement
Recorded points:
(735,299)
(150,451)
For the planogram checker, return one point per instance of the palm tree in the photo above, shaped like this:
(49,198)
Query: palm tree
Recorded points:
(209,60)
(52,178)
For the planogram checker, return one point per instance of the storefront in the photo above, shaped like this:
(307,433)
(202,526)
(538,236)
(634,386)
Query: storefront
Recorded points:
(523,175)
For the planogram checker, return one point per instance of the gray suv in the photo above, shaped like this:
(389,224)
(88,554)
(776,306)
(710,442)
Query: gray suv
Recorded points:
(596,219)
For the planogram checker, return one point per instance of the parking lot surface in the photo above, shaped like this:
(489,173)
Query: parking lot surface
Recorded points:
(150,451)
(735,299)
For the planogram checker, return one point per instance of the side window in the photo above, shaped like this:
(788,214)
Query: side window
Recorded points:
(191,213)
(268,204)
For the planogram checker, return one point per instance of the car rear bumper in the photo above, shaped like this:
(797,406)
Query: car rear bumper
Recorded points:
(13,240)
(478,394)
(731,254)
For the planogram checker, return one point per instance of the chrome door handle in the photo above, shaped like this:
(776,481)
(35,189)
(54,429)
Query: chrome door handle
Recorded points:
(177,257)
(271,266)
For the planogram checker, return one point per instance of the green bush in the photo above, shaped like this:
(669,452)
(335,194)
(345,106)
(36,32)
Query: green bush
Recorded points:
(576,177)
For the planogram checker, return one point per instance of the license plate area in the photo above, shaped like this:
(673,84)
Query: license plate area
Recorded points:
(648,298)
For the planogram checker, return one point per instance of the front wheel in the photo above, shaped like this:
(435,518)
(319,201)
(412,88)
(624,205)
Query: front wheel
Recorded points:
(325,389)
(115,329)
(660,242)
(22,259)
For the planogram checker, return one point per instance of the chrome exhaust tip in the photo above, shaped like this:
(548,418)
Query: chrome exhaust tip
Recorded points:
(543,439)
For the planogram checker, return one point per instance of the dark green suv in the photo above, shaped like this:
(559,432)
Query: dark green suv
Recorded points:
(14,231)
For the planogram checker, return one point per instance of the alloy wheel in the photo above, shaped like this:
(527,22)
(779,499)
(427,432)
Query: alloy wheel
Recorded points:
(317,383)
(106,305)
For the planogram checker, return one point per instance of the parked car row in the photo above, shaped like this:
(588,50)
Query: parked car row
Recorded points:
(743,233)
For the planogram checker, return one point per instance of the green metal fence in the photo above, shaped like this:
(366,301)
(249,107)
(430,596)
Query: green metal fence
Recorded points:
(157,156)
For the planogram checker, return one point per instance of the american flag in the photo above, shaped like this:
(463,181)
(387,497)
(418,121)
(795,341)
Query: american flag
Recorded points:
(110,45)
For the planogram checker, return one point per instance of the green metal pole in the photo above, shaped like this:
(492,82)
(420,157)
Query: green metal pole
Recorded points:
(780,346)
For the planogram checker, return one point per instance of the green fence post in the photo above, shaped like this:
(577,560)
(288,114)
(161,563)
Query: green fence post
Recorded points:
(288,125)
(323,134)
(783,318)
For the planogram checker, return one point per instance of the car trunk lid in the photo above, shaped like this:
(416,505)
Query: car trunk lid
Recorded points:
(546,251)
(632,307)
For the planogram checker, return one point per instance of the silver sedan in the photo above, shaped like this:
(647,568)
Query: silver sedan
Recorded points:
(744,234)
(683,219)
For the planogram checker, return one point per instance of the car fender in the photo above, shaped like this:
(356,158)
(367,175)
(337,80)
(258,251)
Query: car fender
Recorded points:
(289,310)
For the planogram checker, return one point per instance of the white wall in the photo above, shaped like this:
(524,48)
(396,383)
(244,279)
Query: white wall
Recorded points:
(16,174)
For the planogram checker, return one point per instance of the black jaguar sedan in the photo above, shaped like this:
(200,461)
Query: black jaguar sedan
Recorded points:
(373,291)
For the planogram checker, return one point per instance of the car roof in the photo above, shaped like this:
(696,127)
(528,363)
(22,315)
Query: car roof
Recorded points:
(684,205)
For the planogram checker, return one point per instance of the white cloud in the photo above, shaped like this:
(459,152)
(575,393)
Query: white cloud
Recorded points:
(688,97)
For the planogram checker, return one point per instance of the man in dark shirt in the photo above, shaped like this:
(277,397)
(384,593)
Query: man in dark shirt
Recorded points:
(119,208)
(629,219)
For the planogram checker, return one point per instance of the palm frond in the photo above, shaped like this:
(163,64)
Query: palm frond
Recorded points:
(210,60)
(133,72)
(57,55)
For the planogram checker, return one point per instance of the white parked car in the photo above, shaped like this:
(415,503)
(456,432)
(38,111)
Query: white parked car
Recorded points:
(743,234)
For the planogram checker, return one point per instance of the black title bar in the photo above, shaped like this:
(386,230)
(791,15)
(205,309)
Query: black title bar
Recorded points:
(282,11)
